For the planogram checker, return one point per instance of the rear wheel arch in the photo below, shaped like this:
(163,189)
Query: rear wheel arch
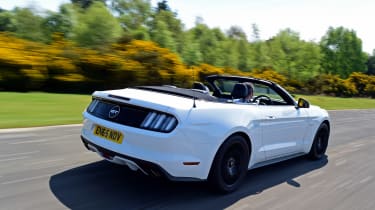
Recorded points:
(239,142)
(246,137)
(239,133)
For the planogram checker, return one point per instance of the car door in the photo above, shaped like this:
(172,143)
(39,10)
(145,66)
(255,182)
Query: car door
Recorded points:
(283,125)
(283,129)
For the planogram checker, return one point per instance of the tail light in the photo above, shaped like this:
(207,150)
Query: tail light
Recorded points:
(159,122)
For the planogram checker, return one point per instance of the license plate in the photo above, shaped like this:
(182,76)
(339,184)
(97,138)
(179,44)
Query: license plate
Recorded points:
(108,134)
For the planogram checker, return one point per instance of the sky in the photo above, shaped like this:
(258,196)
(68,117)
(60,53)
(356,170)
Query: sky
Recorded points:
(310,18)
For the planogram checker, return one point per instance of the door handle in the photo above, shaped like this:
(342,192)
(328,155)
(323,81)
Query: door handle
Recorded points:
(271,117)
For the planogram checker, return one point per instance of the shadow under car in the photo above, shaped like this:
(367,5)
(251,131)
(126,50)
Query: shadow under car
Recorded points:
(103,185)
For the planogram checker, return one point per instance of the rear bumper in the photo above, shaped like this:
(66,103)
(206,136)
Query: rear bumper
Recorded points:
(146,167)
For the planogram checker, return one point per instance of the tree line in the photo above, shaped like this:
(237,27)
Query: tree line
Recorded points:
(90,40)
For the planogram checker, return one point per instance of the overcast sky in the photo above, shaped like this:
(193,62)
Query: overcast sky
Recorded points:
(311,18)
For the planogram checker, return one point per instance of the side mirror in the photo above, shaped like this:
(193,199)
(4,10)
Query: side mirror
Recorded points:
(302,103)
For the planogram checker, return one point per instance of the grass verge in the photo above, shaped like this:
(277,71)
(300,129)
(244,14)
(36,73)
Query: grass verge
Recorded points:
(40,109)
(336,103)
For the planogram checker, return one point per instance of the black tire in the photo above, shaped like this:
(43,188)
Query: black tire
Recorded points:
(230,165)
(320,144)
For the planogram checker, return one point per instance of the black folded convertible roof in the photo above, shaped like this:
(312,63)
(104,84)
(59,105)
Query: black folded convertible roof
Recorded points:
(187,93)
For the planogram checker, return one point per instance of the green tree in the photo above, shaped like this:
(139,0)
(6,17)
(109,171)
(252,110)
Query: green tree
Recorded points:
(96,27)
(258,56)
(132,14)
(85,3)
(255,32)
(210,48)
(243,55)
(6,21)
(240,45)
(342,51)
(57,22)
(228,52)
(293,57)
(173,25)
(211,44)
(191,54)
(27,25)
(161,35)
(236,32)
(371,64)
(163,6)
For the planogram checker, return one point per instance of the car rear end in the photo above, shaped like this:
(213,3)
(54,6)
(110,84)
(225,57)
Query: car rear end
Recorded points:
(143,130)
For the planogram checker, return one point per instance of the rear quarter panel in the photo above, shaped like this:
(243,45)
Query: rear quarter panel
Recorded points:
(212,123)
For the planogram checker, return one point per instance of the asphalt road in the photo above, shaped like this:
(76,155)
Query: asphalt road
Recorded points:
(48,168)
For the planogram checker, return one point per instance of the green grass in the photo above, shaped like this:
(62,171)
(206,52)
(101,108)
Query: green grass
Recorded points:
(41,109)
(336,103)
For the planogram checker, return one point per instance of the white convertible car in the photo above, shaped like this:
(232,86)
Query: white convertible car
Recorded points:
(204,133)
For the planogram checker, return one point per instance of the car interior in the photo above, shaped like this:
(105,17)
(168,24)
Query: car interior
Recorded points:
(234,91)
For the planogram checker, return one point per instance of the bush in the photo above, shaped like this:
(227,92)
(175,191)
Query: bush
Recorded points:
(204,70)
(363,83)
(61,65)
(331,85)
(370,89)
(21,64)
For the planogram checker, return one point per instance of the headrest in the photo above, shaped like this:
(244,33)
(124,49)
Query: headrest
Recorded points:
(239,91)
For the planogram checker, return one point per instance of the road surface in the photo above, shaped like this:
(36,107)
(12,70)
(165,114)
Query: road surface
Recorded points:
(48,168)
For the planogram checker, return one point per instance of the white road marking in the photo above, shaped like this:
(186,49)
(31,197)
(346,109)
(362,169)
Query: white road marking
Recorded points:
(29,142)
(10,130)
(359,145)
(365,179)
(56,142)
(340,162)
(57,168)
(51,139)
(47,161)
(26,179)
(22,153)
(317,184)
(345,150)
(15,136)
(16,158)
(344,184)
(315,174)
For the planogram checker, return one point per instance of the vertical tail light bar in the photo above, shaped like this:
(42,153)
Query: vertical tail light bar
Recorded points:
(159,122)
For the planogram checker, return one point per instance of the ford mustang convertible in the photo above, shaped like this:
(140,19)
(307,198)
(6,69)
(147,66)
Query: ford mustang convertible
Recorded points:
(209,132)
